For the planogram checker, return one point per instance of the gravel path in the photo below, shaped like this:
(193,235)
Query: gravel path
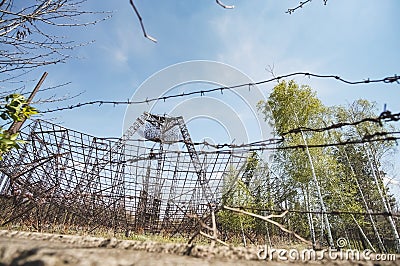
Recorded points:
(26,248)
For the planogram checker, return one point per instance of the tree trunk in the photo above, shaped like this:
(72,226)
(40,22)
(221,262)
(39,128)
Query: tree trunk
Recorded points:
(385,205)
(321,200)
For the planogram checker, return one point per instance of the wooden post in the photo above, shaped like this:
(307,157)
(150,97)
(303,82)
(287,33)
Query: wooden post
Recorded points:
(16,125)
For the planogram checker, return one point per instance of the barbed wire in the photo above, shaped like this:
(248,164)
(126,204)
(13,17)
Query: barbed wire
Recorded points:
(258,146)
(389,79)
(385,116)
(301,4)
(267,144)
(370,138)
(275,143)
(334,212)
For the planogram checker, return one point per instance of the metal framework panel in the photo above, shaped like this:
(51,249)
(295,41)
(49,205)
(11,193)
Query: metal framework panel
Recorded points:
(154,183)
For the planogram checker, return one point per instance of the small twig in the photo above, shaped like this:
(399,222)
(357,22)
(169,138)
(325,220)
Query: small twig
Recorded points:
(271,70)
(212,238)
(267,219)
(201,222)
(223,5)
(141,22)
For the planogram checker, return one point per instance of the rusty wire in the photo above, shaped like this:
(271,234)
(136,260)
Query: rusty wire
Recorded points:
(335,212)
(301,4)
(389,79)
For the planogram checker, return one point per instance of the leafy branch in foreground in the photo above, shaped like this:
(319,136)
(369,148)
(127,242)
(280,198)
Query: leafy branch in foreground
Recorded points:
(15,109)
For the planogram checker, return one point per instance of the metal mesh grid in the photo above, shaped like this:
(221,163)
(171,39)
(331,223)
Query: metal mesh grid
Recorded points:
(61,176)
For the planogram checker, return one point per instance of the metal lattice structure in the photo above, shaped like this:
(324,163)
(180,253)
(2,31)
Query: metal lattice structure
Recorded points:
(152,179)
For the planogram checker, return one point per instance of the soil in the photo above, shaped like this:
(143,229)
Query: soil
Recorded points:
(40,249)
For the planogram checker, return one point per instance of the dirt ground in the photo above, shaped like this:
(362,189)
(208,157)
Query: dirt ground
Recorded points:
(37,249)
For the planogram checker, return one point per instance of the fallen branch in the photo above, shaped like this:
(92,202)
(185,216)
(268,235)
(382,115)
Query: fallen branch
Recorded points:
(267,219)
(212,238)
(213,229)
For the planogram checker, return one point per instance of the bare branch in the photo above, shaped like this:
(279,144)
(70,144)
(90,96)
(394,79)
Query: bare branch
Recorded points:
(271,70)
(25,38)
(301,4)
(54,98)
(267,219)
(223,5)
(212,238)
(141,22)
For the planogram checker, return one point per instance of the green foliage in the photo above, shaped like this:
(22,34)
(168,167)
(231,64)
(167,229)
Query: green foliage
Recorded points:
(290,106)
(235,193)
(251,166)
(344,173)
(355,161)
(15,109)
(251,189)
(8,141)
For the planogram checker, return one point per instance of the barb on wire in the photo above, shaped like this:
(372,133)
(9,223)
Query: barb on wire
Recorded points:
(301,4)
(269,144)
(390,79)
(385,116)
(334,212)
(365,139)
(276,143)
(261,146)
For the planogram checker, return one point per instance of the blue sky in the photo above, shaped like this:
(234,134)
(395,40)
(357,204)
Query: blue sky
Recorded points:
(353,39)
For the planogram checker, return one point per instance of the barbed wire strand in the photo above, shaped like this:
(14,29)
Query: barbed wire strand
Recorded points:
(253,148)
(335,212)
(385,116)
(390,79)
(301,4)
(271,143)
